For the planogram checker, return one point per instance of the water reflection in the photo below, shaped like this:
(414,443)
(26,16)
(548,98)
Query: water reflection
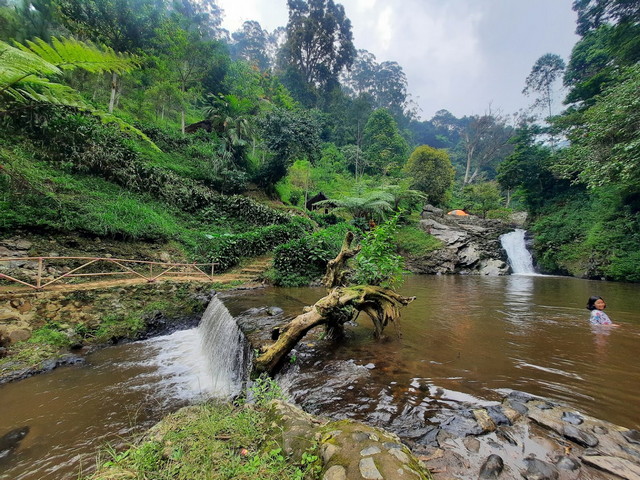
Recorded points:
(476,335)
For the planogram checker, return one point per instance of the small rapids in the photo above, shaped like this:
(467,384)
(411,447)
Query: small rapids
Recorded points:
(71,413)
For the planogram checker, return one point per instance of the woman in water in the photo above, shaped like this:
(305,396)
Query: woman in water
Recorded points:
(598,317)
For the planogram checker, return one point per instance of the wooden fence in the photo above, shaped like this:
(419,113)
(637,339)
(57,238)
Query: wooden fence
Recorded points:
(47,270)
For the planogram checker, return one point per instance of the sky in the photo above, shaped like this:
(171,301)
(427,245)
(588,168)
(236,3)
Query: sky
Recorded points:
(466,56)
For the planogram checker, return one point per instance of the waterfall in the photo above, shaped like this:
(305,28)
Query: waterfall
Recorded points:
(519,257)
(226,350)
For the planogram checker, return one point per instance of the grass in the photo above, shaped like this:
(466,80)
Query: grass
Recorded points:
(214,440)
(416,242)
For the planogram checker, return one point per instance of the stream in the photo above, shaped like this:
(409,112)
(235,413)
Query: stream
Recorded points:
(464,339)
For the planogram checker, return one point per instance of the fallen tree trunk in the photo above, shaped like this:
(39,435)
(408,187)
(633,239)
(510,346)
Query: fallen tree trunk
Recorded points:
(339,306)
(337,268)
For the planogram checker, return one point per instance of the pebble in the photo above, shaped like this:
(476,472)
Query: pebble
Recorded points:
(492,467)
(337,472)
(369,470)
(369,451)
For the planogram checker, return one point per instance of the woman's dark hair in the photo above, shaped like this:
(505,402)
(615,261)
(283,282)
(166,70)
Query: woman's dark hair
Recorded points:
(592,301)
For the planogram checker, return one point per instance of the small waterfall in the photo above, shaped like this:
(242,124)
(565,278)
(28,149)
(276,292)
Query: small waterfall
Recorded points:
(519,257)
(226,350)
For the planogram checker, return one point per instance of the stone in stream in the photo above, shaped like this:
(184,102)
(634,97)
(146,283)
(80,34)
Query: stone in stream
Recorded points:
(498,416)
(11,440)
(492,467)
(572,418)
(567,463)
(579,436)
(632,436)
(539,470)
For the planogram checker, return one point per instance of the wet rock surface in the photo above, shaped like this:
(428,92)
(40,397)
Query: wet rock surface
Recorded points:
(533,437)
(349,450)
(471,245)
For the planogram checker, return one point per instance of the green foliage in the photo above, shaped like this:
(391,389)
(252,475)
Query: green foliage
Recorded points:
(378,263)
(51,334)
(115,327)
(372,205)
(544,73)
(416,242)
(320,27)
(432,173)
(214,440)
(24,69)
(605,147)
(479,198)
(264,389)
(384,148)
(300,261)
(227,249)
(288,135)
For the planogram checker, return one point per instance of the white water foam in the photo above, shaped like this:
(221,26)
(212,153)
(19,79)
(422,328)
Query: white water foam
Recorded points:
(519,257)
(207,361)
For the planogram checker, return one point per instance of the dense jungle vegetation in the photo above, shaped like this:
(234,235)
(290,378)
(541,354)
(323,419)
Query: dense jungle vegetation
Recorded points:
(145,120)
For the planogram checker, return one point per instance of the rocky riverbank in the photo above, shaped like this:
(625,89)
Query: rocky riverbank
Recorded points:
(471,245)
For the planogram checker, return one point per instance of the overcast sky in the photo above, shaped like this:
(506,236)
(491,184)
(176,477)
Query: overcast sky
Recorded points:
(461,55)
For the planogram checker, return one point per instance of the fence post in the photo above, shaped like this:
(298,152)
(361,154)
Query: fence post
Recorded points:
(39,278)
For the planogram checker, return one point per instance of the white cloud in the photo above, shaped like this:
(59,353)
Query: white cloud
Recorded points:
(460,55)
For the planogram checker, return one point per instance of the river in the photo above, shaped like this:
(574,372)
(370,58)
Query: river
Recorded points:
(465,338)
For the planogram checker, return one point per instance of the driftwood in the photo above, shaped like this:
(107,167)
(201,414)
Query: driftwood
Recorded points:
(341,305)
(338,307)
(336,268)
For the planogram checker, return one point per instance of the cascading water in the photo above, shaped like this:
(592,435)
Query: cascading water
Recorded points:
(226,349)
(519,257)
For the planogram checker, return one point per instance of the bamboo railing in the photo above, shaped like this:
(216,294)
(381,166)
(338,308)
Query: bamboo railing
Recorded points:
(123,267)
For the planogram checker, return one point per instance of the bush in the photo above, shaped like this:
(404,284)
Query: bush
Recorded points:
(298,262)
(227,249)
(377,263)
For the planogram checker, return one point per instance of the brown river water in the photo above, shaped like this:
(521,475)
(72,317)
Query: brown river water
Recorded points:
(464,339)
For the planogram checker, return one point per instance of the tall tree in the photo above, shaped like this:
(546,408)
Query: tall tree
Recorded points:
(384,148)
(544,73)
(319,42)
(250,44)
(485,142)
(431,172)
(124,25)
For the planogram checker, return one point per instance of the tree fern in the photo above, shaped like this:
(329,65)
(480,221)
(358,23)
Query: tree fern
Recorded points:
(25,72)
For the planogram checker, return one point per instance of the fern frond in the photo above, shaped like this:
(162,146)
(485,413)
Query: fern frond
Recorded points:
(25,62)
(69,54)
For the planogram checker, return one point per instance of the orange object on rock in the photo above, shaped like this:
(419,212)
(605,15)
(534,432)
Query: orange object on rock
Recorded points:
(457,212)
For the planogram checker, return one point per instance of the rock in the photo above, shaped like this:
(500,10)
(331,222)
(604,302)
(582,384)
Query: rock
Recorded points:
(369,451)
(484,420)
(400,455)
(497,414)
(507,437)
(567,463)
(328,451)
(273,311)
(19,335)
(472,444)
(368,469)
(430,209)
(617,466)
(632,436)
(492,467)
(572,418)
(336,472)
(539,470)
(579,436)
(9,441)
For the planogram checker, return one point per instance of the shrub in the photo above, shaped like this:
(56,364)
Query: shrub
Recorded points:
(227,249)
(298,262)
(377,263)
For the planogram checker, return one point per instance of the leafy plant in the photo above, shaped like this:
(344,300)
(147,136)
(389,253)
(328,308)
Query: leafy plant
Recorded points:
(378,263)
